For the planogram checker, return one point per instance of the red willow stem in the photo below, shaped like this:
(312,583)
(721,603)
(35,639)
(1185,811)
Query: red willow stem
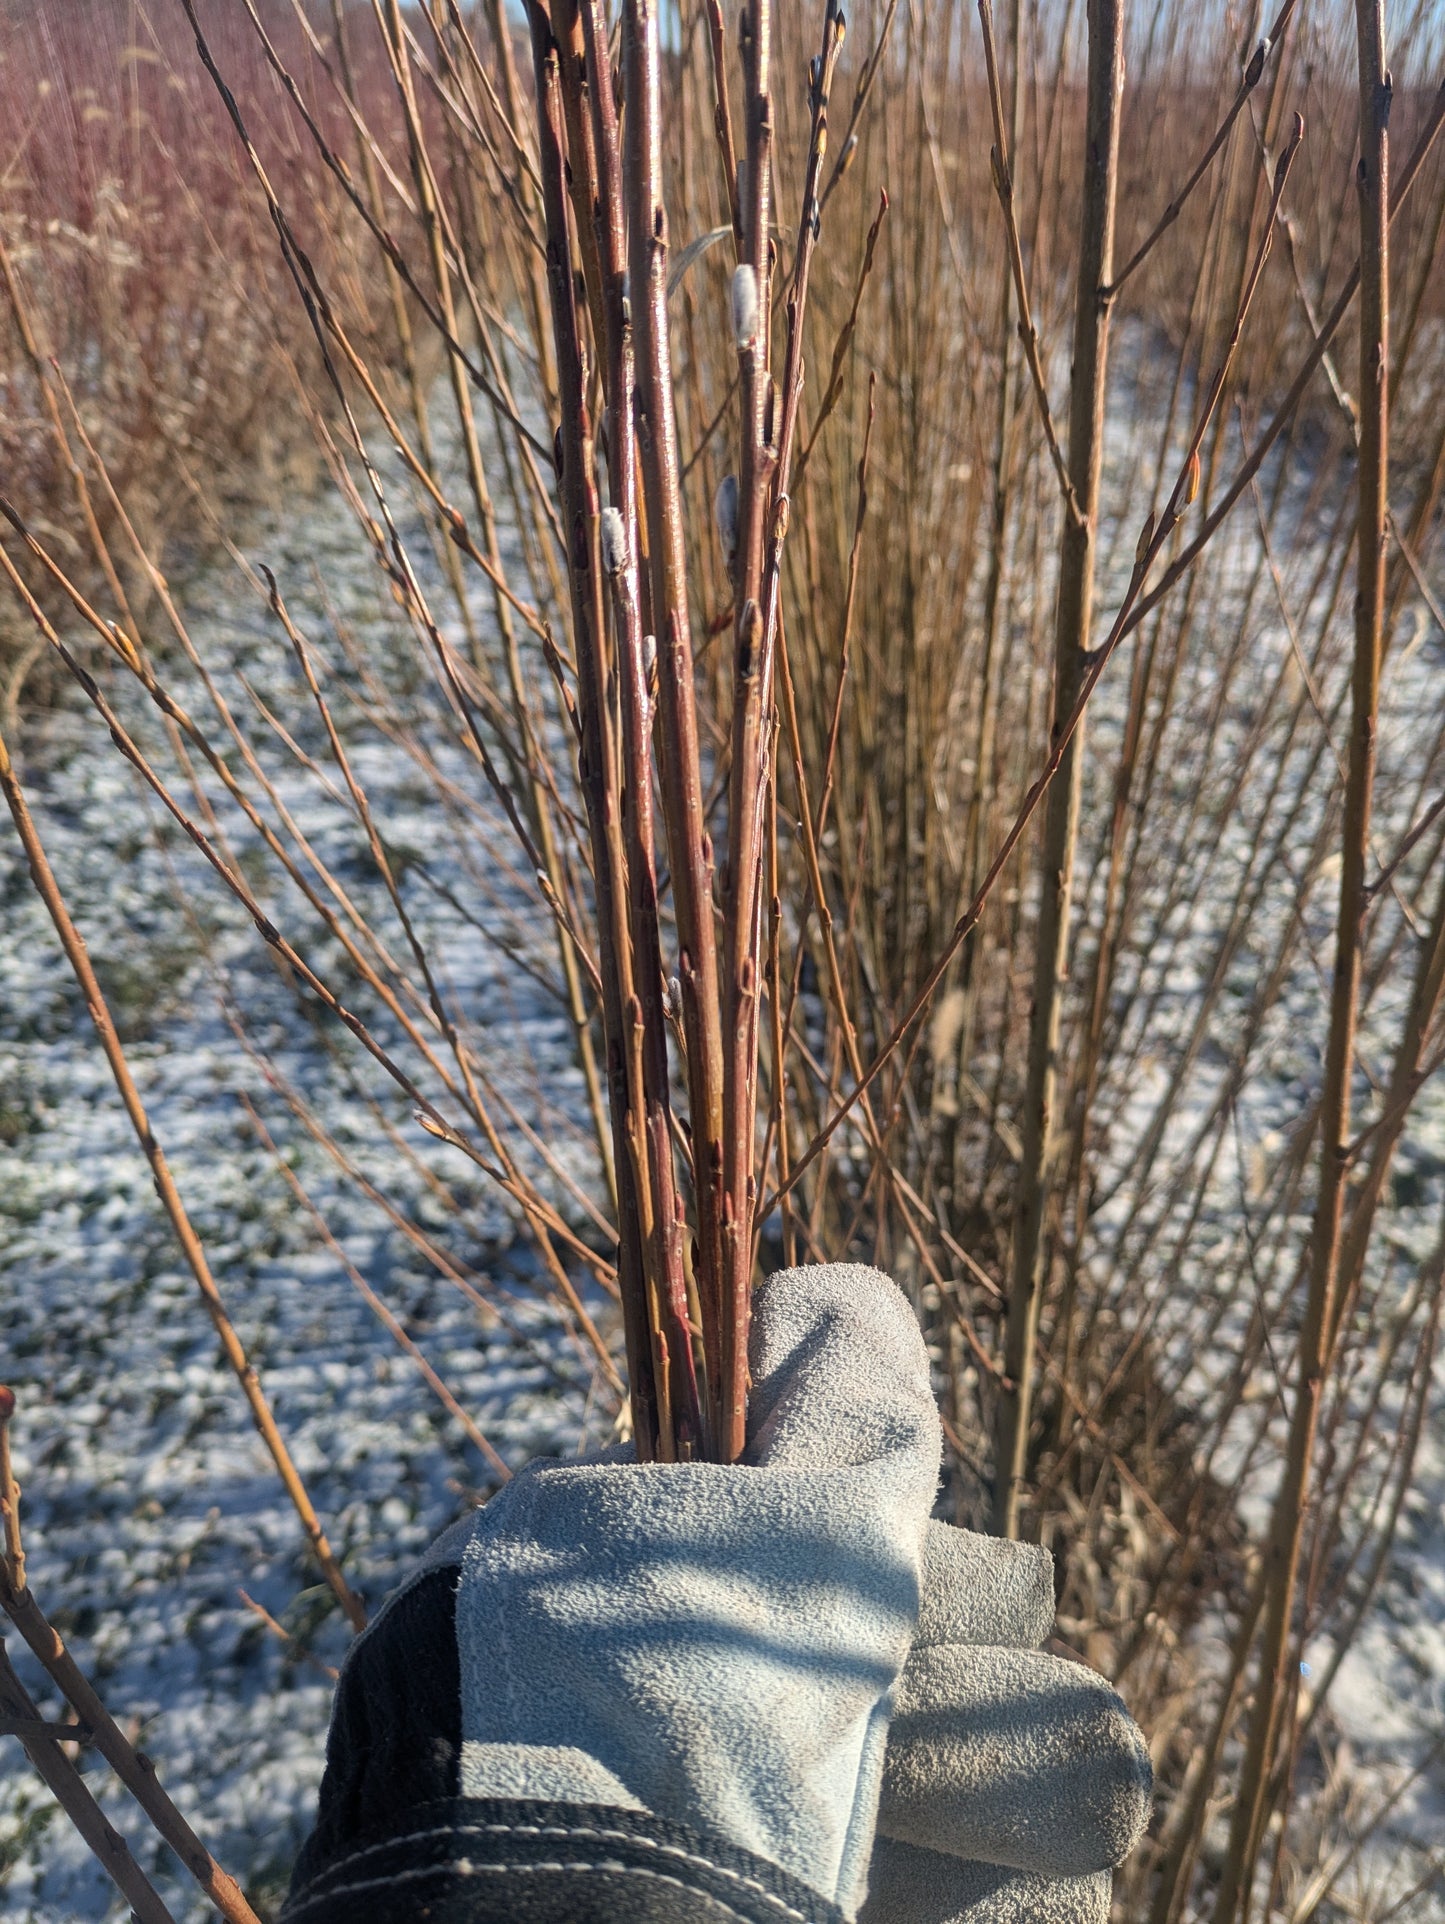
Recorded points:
(598,763)
(14,1550)
(689,845)
(620,558)
(792,390)
(769,428)
(722,112)
(1001,163)
(583,185)
(742,895)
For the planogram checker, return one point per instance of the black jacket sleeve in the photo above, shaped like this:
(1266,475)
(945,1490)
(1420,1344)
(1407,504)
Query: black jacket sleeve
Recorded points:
(395,1842)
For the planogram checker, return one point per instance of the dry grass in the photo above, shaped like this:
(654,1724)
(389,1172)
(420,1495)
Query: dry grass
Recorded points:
(143,304)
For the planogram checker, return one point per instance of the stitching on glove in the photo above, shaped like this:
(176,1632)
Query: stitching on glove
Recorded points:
(465,1867)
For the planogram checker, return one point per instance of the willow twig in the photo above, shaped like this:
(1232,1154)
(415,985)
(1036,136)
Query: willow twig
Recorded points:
(689,845)
(647,1355)
(1253,74)
(134,1769)
(79,959)
(42,1745)
(1002,165)
(14,1551)
(1155,534)
(373,1302)
(1073,622)
(1282,1551)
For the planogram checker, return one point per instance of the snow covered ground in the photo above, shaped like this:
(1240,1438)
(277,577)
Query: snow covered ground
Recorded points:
(149,1502)
(150,1505)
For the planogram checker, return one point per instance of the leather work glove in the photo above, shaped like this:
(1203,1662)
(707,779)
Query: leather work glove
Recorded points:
(1014,1781)
(663,1692)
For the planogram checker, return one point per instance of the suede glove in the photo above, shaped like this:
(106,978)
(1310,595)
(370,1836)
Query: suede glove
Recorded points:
(720,1645)
(1014,1780)
(720,1650)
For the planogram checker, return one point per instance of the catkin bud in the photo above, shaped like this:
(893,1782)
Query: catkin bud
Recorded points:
(614,542)
(725,507)
(745,307)
(1282,165)
(772,414)
(649,661)
(750,641)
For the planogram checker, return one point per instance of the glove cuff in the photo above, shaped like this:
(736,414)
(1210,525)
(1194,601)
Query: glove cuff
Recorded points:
(503,1861)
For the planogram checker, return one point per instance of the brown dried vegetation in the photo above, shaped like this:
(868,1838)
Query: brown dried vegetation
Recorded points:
(991,431)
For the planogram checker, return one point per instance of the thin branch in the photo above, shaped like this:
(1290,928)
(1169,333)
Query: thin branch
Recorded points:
(1155,534)
(79,959)
(1001,166)
(1253,74)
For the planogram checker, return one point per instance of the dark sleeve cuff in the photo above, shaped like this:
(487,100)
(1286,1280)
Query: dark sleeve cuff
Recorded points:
(498,1861)
(396,1724)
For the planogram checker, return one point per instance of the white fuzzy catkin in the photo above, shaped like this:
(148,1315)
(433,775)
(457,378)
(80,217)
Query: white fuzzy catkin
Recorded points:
(614,542)
(744,306)
(725,507)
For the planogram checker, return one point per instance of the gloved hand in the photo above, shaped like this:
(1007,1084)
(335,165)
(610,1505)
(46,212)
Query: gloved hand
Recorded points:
(719,1645)
(1014,1781)
(693,1667)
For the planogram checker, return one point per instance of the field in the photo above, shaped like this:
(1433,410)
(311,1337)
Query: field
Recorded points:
(291,680)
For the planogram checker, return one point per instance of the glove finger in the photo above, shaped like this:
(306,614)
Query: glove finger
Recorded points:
(1016,1758)
(840,1374)
(907,1885)
(984,1590)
